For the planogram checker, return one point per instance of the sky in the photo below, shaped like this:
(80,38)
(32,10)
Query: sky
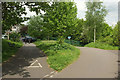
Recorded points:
(111,6)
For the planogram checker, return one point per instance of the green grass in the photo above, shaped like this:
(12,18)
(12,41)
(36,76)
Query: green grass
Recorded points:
(8,51)
(102,46)
(59,56)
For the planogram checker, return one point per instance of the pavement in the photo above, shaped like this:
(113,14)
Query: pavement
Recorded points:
(29,62)
(92,63)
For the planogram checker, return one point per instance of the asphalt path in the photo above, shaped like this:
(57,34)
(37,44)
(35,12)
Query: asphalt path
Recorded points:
(92,63)
(29,62)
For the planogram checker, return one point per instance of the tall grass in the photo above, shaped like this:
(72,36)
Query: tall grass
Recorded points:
(59,55)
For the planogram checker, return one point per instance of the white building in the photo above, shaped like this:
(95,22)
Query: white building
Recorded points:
(16,28)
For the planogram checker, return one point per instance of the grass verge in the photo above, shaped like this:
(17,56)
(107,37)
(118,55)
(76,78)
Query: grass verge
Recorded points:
(9,50)
(102,46)
(59,56)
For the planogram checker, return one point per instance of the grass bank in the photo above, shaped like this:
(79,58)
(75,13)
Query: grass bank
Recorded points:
(9,48)
(102,46)
(59,56)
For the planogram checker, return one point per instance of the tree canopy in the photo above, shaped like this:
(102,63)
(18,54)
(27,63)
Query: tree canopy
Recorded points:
(95,17)
(12,14)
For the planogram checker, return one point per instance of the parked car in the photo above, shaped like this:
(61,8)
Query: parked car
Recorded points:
(28,39)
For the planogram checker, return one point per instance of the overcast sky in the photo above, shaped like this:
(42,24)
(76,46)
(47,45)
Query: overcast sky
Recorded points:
(111,6)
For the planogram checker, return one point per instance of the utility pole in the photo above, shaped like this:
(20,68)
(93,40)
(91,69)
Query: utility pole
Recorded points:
(94,33)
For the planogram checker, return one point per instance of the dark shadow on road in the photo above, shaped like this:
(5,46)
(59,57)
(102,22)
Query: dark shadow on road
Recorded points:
(22,59)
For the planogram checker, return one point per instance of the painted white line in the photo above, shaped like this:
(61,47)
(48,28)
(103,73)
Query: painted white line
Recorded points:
(51,76)
(39,65)
(33,67)
(46,76)
(34,62)
(52,72)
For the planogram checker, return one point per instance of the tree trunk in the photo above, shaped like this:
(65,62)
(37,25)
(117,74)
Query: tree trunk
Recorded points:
(95,34)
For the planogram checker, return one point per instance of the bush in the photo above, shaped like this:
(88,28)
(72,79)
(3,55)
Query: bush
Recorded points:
(15,37)
(7,50)
(59,55)
(107,40)
(101,46)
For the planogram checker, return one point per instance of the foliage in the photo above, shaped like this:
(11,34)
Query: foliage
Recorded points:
(116,35)
(107,40)
(38,6)
(94,19)
(60,19)
(102,46)
(59,55)
(15,37)
(7,50)
(77,31)
(107,30)
(35,26)
(73,42)
(12,14)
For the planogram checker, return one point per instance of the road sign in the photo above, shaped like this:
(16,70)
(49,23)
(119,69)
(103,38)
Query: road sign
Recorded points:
(69,37)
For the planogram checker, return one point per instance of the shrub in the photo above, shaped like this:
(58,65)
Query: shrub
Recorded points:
(15,37)
(59,55)
(107,40)
(7,50)
(101,46)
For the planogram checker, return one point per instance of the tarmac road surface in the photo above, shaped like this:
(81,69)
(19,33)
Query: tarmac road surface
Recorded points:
(92,63)
(29,62)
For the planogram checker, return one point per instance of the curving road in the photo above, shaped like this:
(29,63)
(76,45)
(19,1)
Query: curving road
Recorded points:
(92,63)
(30,62)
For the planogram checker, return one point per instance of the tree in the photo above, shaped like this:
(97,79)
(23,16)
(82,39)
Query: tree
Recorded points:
(60,19)
(35,26)
(116,35)
(38,6)
(106,31)
(24,30)
(77,31)
(11,14)
(94,18)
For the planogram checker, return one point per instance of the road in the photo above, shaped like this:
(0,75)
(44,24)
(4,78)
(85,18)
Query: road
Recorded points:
(92,63)
(29,62)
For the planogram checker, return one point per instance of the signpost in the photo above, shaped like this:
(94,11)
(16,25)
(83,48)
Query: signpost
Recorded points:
(69,38)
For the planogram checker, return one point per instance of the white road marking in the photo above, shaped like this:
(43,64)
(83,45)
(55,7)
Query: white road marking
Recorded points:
(46,76)
(39,65)
(52,72)
(51,76)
